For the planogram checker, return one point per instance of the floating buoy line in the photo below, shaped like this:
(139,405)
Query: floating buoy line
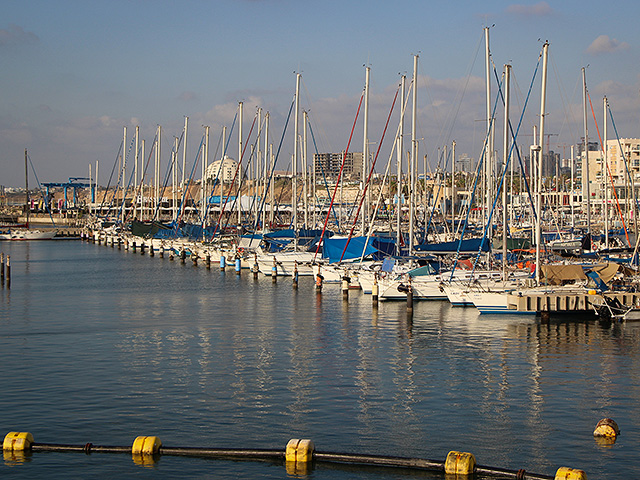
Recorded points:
(299,457)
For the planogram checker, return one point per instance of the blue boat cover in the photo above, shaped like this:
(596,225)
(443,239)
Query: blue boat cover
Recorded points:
(470,245)
(333,247)
(387,265)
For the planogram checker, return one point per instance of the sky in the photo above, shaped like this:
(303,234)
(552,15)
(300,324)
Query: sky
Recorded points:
(74,73)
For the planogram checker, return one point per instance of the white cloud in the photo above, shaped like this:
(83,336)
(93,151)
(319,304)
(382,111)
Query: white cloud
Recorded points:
(539,9)
(187,96)
(604,44)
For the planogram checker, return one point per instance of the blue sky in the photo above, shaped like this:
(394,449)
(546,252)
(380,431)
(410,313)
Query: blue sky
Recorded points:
(74,73)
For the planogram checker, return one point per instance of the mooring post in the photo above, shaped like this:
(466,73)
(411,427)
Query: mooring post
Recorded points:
(295,274)
(256,268)
(374,290)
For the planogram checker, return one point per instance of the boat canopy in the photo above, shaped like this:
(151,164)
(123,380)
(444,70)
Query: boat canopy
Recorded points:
(333,248)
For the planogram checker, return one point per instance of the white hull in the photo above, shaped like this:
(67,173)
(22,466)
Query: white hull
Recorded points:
(25,234)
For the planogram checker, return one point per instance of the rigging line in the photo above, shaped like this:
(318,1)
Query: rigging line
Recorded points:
(515,135)
(484,236)
(45,202)
(244,149)
(252,157)
(448,124)
(204,183)
(216,180)
(366,185)
(104,196)
(335,190)
(380,191)
(563,96)
(504,173)
(321,130)
(624,158)
(186,188)
(615,194)
(144,170)
(275,160)
(165,183)
(324,177)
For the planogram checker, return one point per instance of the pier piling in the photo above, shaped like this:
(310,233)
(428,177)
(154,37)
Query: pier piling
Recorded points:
(374,290)
(295,274)
(256,268)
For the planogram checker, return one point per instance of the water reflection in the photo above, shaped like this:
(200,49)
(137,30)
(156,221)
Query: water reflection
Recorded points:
(218,358)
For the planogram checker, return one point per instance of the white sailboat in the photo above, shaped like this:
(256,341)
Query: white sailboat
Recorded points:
(23,232)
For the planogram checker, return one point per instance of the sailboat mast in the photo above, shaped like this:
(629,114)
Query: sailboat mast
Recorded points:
(540,147)
(294,165)
(453,185)
(26,186)
(205,166)
(156,174)
(365,150)
(488,164)
(124,171)
(505,159)
(267,170)
(184,152)
(136,158)
(142,183)
(238,198)
(573,217)
(414,154)
(400,153)
(305,168)
(605,177)
(585,161)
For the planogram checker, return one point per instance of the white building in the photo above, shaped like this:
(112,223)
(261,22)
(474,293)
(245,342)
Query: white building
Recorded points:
(224,170)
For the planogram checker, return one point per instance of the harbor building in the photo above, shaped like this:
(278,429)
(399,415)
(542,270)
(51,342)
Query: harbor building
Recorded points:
(623,161)
(327,165)
(224,170)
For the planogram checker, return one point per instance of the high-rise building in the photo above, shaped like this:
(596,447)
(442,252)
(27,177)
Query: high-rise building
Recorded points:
(327,165)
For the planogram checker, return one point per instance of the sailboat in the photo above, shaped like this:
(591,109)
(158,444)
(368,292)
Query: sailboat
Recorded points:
(23,232)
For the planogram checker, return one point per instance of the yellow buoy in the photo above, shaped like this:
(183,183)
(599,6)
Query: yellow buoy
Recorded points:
(144,445)
(460,463)
(299,451)
(17,441)
(565,473)
(606,428)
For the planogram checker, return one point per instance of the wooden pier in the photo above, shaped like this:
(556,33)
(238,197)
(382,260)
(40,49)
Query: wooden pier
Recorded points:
(567,303)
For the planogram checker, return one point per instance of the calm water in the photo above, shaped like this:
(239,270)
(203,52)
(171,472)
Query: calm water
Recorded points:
(100,345)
